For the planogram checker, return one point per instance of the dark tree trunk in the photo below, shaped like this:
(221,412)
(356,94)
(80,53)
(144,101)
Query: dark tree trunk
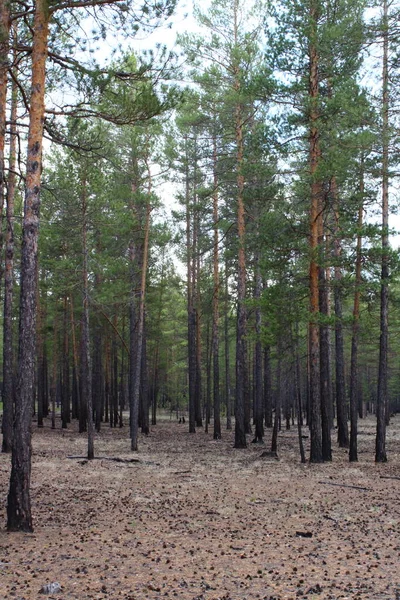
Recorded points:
(267,387)
(75,367)
(86,377)
(325,371)
(41,386)
(353,452)
(144,392)
(140,332)
(207,407)
(65,387)
(297,392)
(215,323)
(227,361)
(8,352)
(258,375)
(278,397)
(190,307)
(97,381)
(341,408)
(198,386)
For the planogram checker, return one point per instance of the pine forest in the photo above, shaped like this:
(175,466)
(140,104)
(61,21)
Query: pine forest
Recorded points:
(200,292)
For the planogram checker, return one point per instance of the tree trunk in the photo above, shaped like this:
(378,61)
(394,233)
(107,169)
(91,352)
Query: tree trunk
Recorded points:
(215,322)
(19,515)
(353,453)
(267,387)
(144,388)
(241,327)
(86,378)
(227,361)
(190,307)
(316,453)
(258,375)
(8,353)
(341,409)
(325,371)
(382,397)
(139,337)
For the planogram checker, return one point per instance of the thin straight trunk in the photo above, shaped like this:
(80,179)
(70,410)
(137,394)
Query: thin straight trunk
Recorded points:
(19,516)
(45,382)
(382,396)
(65,387)
(107,382)
(140,330)
(190,307)
(8,353)
(53,388)
(157,343)
(341,409)
(97,378)
(241,327)
(267,387)
(353,452)
(227,361)
(208,378)
(215,325)
(122,377)
(316,452)
(5,25)
(75,378)
(86,358)
(144,388)
(199,386)
(258,375)
(325,384)
(41,383)
(196,296)
(132,343)
(278,397)
(297,390)
(115,374)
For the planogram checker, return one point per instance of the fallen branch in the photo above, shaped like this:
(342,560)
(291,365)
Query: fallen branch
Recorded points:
(113,458)
(352,487)
(389,477)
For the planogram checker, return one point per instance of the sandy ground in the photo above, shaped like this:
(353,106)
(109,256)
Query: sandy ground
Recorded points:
(196,519)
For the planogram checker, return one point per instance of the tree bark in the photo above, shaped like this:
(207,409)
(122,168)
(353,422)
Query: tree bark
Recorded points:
(382,396)
(140,330)
(8,353)
(86,377)
(241,327)
(353,453)
(215,323)
(258,375)
(190,307)
(341,409)
(19,515)
(227,361)
(316,454)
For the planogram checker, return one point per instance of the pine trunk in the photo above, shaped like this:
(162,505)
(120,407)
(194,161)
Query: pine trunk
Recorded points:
(8,352)
(353,453)
(19,515)
(215,322)
(382,397)
(341,409)
(241,326)
(316,452)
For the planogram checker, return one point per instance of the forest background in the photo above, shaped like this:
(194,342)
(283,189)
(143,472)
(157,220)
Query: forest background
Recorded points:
(276,128)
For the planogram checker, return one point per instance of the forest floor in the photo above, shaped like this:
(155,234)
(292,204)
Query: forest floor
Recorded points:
(195,519)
